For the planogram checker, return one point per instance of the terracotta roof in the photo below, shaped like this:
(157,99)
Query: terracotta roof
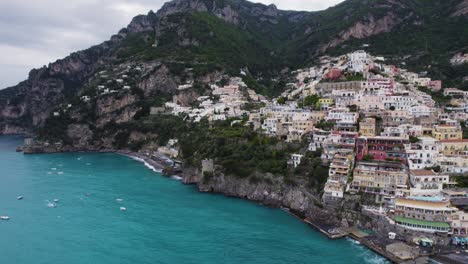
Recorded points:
(423,172)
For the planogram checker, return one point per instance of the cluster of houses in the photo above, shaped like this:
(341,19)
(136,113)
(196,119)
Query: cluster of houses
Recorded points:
(385,137)
(117,79)
(224,102)
(377,131)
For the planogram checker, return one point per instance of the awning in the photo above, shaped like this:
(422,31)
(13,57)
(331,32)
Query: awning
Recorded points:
(410,221)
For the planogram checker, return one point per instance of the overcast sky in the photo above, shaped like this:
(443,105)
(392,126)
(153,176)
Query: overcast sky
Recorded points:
(36,32)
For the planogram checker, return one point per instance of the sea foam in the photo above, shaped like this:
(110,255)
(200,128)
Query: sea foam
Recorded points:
(149,166)
(176,177)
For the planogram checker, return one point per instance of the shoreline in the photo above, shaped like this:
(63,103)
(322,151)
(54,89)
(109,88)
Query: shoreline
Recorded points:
(168,171)
(157,167)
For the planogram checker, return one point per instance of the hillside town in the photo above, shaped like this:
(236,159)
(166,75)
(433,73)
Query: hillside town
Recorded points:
(378,131)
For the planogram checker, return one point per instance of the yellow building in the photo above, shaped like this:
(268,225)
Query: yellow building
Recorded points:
(380,177)
(367,127)
(444,132)
(452,147)
(421,213)
(326,102)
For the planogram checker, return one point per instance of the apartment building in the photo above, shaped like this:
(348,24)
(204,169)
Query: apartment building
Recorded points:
(383,178)
(426,214)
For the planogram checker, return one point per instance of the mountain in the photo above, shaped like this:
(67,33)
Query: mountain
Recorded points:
(216,37)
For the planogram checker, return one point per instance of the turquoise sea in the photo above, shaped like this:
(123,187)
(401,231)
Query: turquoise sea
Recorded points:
(165,221)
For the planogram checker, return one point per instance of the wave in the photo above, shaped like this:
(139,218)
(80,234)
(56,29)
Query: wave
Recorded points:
(149,166)
(367,254)
(176,177)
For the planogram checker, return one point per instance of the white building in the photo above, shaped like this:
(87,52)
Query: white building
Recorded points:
(358,61)
(423,154)
(342,115)
(422,110)
(318,138)
(399,102)
(427,182)
(296,159)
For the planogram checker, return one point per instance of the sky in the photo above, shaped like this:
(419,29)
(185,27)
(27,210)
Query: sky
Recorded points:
(34,33)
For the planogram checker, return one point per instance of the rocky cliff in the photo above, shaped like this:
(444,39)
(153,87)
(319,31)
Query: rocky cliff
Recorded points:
(275,193)
(462,9)
(307,205)
(217,36)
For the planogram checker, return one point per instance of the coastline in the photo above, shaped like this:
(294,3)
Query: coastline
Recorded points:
(159,168)
(322,225)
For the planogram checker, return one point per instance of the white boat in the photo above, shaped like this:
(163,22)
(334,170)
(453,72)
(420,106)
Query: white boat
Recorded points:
(123,209)
(49,204)
(118,200)
(5,217)
(56,200)
(19,197)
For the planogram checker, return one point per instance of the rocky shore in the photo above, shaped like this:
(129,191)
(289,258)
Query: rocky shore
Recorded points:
(298,201)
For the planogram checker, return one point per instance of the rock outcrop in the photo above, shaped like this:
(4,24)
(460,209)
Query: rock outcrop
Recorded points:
(279,38)
(159,80)
(461,9)
(366,28)
(275,193)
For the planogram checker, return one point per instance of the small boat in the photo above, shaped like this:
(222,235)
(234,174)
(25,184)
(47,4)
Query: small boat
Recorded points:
(19,197)
(123,209)
(56,200)
(51,205)
(118,200)
(5,217)
(88,194)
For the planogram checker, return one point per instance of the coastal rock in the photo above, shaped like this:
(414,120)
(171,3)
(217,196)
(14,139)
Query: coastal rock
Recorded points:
(274,193)
(11,130)
(80,134)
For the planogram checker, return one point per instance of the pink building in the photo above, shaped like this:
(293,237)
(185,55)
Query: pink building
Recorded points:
(382,148)
(333,74)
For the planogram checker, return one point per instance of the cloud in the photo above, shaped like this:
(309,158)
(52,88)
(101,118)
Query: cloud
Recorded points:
(34,33)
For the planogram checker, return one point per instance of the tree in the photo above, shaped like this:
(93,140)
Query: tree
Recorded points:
(413,139)
(464,128)
(281,100)
(324,125)
(368,158)
(311,100)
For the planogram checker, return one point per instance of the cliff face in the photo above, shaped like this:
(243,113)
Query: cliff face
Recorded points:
(462,9)
(29,104)
(307,205)
(366,28)
(275,193)
(225,35)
